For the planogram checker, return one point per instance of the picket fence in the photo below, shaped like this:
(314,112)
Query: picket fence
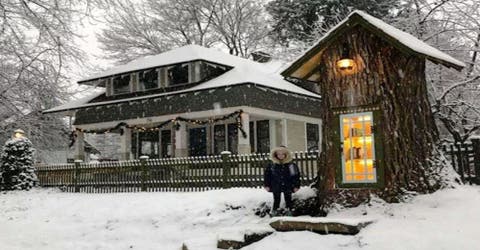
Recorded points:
(169,174)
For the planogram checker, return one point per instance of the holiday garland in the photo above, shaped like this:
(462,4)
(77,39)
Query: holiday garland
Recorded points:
(176,123)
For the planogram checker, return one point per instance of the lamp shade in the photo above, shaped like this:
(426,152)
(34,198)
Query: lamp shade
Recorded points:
(345,64)
(18,133)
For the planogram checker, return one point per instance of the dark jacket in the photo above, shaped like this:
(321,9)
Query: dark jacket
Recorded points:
(281,176)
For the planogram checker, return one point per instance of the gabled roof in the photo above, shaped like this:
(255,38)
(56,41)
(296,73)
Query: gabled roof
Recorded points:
(243,71)
(401,40)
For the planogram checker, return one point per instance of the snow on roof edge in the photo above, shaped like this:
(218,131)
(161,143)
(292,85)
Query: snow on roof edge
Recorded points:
(71,105)
(74,103)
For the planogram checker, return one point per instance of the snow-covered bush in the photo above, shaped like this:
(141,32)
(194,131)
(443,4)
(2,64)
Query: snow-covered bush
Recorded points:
(441,174)
(16,169)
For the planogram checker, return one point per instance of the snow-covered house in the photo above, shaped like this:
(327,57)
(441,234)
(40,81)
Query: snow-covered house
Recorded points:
(195,101)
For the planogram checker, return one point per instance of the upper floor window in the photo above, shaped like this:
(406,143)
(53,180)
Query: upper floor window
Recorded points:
(210,70)
(148,79)
(121,84)
(178,74)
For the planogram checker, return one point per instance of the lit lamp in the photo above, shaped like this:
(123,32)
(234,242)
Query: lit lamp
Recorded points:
(18,134)
(346,63)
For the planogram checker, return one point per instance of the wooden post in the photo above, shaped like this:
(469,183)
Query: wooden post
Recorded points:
(226,157)
(79,146)
(143,162)
(76,175)
(244,142)
(126,144)
(284,125)
(476,158)
(181,141)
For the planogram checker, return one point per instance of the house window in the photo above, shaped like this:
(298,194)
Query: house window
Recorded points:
(148,79)
(358,154)
(225,137)
(219,142)
(263,136)
(145,143)
(313,134)
(209,70)
(166,143)
(198,141)
(121,84)
(178,74)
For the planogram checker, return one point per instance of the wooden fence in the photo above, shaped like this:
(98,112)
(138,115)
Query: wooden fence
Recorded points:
(465,158)
(169,174)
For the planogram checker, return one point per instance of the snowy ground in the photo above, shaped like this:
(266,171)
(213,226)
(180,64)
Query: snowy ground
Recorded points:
(48,219)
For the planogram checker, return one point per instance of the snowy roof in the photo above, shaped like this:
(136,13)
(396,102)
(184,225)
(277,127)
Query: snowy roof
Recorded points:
(75,103)
(183,54)
(402,38)
(243,71)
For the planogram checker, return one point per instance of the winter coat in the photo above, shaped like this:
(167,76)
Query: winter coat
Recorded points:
(281,176)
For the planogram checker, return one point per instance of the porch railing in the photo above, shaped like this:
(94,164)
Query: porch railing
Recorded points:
(169,174)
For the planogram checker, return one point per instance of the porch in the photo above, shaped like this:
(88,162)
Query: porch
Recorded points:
(203,133)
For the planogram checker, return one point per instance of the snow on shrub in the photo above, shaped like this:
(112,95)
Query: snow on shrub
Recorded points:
(16,170)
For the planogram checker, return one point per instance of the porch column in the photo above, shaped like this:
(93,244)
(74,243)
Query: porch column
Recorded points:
(272,125)
(284,132)
(181,149)
(244,142)
(209,128)
(79,153)
(126,144)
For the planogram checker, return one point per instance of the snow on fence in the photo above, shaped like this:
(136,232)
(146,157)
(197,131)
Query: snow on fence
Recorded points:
(465,158)
(169,174)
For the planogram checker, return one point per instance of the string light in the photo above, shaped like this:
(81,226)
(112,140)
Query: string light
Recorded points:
(119,127)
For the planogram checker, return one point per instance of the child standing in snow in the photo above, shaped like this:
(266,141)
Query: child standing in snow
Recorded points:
(281,176)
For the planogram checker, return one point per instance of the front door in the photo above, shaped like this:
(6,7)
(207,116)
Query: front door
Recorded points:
(166,143)
(198,141)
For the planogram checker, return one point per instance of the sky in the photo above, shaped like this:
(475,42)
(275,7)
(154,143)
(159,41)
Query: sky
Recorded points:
(88,43)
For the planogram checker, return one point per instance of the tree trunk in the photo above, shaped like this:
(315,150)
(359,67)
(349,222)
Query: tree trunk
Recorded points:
(393,82)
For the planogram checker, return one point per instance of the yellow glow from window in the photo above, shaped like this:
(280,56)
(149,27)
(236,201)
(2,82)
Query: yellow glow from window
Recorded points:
(358,152)
(357,119)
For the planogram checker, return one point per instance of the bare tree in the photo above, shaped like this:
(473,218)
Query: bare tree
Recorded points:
(150,27)
(36,44)
(241,25)
(454,27)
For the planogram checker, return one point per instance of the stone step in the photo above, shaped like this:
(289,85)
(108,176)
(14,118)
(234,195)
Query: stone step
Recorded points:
(248,238)
(286,224)
(319,225)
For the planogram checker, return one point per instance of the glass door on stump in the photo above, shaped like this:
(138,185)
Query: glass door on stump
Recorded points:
(358,148)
